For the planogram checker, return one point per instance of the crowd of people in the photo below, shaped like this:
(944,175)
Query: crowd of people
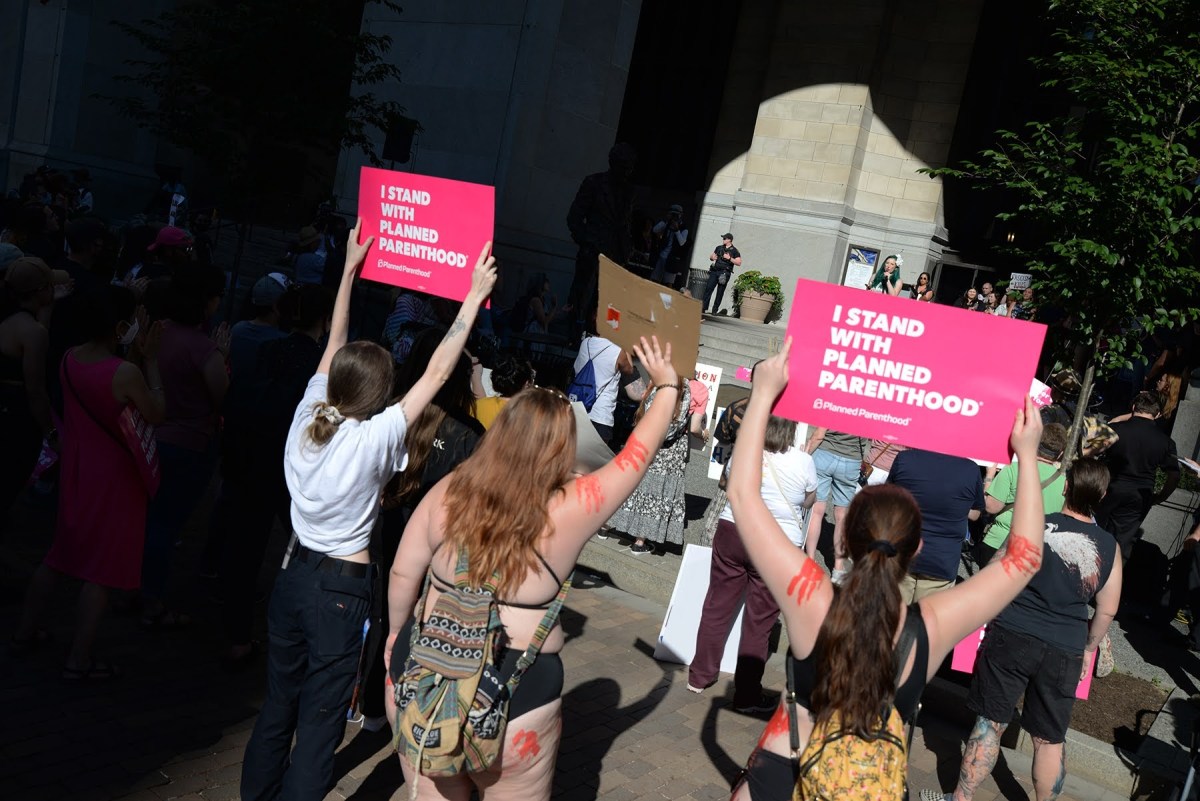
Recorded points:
(379,458)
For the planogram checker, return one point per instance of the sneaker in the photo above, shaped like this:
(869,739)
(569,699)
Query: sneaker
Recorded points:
(1184,617)
(694,689)
(374,724)
(839,576)
(645,547)
(605,533)
(1104,658)
(765,703)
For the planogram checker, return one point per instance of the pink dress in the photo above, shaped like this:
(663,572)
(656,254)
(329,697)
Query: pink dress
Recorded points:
(102,504)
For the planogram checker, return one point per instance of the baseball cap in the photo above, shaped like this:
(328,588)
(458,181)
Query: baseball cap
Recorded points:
(171,237)
(269,289)
(27,275)
(727,236)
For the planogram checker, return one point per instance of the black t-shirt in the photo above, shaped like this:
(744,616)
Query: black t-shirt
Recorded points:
(1142,447)
(1077,560)
(946,489)
(721,263)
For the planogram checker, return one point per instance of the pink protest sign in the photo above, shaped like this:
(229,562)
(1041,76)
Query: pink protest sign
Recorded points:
(428,231)
(966,652)
(919,374)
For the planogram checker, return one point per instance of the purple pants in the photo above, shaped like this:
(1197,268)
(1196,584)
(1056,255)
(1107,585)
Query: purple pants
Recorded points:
(731,576)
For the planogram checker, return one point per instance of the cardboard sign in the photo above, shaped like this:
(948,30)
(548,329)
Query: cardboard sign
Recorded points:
(966,652)
(677,639)
(428,231)
(888,368)
(632,307)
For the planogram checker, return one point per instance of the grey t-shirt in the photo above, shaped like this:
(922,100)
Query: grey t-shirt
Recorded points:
(844,445)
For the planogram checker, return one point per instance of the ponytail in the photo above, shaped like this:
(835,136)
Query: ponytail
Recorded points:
(855,664)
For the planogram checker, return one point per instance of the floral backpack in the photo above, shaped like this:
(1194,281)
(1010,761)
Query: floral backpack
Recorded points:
(843,765)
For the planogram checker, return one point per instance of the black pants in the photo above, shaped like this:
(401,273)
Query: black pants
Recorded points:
(1121,514)
(316,633)
(714,282)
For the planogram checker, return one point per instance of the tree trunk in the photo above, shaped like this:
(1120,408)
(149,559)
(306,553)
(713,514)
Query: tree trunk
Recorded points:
(1072,451)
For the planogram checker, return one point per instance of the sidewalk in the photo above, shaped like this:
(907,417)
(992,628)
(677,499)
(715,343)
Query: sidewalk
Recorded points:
(175,725)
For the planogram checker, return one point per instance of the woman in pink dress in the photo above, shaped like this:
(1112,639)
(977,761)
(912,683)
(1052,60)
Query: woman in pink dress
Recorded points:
(102,500)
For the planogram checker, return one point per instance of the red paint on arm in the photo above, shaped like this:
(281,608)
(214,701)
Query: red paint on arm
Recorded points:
(1020,554)
(589,494)
(526,743)
(776,726)
(633,455)
(805,583)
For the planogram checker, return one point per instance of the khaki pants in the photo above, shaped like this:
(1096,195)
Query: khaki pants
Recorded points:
(913,587)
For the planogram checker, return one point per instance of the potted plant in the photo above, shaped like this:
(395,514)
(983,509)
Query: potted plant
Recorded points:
(757,296)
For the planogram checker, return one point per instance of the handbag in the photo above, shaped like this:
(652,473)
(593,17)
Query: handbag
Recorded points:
(865,468)
(136,436)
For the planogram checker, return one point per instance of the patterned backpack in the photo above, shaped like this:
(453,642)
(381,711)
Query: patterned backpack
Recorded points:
(841,765)
(452,702)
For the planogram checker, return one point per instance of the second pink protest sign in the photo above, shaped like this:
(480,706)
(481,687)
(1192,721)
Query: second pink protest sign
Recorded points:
(918,374)
(428,231)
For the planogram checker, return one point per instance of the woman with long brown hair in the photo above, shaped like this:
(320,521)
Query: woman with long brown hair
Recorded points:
(842,645)
(345,443)
(522,519)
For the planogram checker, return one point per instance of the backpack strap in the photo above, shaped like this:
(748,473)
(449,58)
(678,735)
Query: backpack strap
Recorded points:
(540,634)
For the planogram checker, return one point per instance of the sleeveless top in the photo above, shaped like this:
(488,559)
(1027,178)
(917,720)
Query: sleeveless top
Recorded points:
(908,694)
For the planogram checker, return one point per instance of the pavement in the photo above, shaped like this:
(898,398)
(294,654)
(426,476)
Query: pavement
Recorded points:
(175,724)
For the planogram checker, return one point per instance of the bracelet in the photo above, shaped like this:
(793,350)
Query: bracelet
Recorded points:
(666,386)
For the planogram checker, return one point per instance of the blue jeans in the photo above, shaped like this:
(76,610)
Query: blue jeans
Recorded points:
(315,625)
(714,283)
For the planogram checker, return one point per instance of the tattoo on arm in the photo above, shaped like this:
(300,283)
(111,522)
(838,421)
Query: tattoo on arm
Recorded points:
(455,329)
(805,583)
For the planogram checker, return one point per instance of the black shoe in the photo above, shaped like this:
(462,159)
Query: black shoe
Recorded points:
(765,703)
(645,547)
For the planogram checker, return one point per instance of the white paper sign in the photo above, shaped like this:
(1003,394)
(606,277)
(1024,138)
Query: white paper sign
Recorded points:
(677,639)
(1019,281)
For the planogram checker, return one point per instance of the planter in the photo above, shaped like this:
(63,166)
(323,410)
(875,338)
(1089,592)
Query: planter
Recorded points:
(755,306)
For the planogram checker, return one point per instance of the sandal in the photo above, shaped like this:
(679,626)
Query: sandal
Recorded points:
(96,671)
(19,646)
(166,620)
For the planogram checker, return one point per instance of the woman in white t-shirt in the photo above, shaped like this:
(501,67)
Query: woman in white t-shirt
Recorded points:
(344,445)
(609,363)
(789,487)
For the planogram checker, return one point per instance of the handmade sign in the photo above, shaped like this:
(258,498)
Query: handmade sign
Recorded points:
(886,368)
(428,231)
(631,308)
(710,377)
(966,652)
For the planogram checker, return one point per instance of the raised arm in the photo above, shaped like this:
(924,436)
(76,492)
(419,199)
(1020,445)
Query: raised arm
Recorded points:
(339,328)
(591,500)
(797,583)
(444,359)
(955,613)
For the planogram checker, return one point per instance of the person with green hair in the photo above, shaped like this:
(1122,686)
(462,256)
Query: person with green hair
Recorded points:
(887,277)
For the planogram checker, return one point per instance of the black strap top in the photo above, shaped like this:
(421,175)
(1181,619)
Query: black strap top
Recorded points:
(449,585)
(908,695)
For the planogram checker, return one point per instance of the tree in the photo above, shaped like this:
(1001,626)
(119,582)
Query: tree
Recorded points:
(245,86)
(1108,189)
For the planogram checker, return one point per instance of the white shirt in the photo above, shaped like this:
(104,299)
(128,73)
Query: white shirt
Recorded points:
(797,477)
(604,355)
(1001,311)
(335,487)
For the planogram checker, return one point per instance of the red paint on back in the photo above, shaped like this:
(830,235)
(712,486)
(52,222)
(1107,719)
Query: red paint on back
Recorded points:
(776,726)
(526,743)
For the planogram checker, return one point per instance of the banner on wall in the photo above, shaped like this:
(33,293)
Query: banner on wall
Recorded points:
(887,368)
(428,231)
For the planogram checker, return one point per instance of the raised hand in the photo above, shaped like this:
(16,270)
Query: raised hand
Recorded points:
(771,375)
(356,252)
(483,279)
(1026,431)
(656,361)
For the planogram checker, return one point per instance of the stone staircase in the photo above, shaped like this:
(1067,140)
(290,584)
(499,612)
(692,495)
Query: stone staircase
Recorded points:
(730,343)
